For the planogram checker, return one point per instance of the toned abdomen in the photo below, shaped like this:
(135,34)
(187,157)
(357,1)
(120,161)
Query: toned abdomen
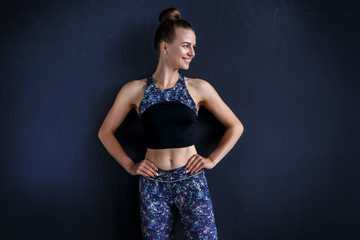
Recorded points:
(170,158)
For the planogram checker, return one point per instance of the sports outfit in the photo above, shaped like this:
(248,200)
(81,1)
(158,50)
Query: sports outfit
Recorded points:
(169,120)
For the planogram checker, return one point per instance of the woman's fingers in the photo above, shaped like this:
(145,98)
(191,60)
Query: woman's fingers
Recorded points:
(150,169)
(198,166)
(152,165)
(195,163)
(141,171)
(190,162)
(146,172)
(147,168)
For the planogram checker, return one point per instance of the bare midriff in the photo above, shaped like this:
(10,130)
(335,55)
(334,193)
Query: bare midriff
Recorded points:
(170,158)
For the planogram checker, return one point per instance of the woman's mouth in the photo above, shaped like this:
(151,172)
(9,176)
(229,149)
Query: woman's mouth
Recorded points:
(187,60)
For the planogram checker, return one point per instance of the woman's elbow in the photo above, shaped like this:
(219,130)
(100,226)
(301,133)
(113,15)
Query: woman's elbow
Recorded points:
(100,133)
(103,132)
(239,127)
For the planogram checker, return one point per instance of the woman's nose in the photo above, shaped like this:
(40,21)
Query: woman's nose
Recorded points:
(192,52)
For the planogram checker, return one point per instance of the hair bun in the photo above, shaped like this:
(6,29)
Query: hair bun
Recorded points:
(169,14)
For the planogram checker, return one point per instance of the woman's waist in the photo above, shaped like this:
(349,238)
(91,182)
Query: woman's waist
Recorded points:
(174,175)
(170,158)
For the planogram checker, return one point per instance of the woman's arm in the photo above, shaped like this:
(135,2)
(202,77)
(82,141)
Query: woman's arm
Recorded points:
(123,103)
(211,100)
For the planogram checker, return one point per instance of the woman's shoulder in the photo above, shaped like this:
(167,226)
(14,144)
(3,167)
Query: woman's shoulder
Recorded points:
(197,83)
(135,85)
(133,89)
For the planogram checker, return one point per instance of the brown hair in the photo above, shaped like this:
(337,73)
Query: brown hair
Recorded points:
(169,19)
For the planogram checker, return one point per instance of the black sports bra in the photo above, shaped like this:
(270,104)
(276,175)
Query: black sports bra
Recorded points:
(168,115)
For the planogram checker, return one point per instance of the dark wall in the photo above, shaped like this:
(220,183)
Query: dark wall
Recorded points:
(288,70)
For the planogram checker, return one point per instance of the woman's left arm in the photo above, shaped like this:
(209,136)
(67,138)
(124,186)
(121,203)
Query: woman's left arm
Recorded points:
(211,100)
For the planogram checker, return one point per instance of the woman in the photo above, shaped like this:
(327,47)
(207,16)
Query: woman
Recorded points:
(172,172)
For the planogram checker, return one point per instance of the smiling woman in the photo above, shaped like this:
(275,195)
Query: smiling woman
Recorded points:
(172,172)
(182,48)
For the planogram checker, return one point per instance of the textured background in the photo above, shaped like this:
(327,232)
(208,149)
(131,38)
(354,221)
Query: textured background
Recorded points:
(288,69)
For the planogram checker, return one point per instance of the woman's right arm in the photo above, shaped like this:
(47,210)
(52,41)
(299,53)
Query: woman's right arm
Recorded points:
(125,100)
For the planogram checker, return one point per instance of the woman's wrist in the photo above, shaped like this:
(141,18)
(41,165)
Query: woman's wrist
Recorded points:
(129,167)
(212,163)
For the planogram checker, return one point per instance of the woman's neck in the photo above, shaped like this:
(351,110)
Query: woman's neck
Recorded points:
(165,78)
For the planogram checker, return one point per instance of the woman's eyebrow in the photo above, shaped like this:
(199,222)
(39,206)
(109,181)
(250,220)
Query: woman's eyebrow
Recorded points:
(189,43)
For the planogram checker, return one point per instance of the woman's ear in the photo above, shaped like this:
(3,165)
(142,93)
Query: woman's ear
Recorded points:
(163,46)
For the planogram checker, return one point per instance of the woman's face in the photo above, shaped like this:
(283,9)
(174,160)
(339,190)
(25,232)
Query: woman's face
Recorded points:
(181,51)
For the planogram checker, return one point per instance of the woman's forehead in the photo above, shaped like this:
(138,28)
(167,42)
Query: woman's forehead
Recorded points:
(185,35)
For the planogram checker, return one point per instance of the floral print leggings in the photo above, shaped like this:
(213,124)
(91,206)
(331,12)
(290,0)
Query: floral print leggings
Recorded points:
(176,188)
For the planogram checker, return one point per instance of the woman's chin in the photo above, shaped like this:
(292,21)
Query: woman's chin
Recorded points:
(185,67)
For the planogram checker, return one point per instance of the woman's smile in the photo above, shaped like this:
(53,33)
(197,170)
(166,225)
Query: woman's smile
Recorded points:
(187,60)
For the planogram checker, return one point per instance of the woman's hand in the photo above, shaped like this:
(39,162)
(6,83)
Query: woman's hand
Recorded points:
(197,162)
(145,168)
